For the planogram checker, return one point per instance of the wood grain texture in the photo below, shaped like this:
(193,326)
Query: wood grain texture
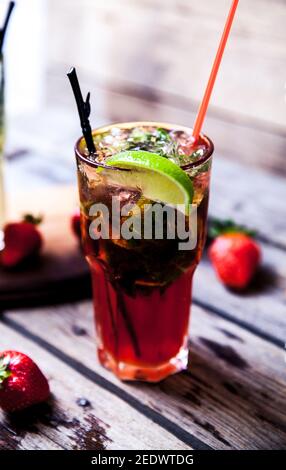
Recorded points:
(263,303)
(62,424)
(170,45)
(238,138)
(261,307)
(231,397)
(61,272)
(250,197)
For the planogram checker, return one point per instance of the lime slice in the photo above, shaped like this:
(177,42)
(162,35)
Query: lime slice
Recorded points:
(158,178)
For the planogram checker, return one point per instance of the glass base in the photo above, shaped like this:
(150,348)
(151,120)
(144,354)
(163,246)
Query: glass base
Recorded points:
(125,371)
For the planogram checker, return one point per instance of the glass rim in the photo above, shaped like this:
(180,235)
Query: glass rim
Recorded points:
(207,155)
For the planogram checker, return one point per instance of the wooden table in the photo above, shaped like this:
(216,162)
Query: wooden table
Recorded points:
(233,394)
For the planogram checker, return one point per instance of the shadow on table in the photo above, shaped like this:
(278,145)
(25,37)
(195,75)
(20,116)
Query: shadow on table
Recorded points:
(265,280)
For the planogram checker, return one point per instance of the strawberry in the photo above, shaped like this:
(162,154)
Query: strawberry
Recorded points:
(22,384)
(235,256)
(75,223)
(22,240)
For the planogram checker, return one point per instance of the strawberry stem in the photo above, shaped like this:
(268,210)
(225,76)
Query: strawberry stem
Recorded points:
(32,219)
(4,368)
(218,227)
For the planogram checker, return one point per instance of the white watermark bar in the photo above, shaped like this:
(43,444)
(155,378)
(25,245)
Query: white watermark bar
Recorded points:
(145,222)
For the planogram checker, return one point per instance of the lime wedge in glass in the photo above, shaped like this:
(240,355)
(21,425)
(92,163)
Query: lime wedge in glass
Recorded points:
(158,178)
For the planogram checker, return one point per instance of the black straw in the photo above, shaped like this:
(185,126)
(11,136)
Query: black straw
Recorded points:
(6,22)
(83,109)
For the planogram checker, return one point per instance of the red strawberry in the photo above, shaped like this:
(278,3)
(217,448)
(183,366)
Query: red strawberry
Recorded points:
(75,223)
(22,384)
(235,257)
(22,240)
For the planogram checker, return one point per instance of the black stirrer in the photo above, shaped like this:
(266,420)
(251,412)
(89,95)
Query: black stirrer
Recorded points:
(83,109)
(5,26)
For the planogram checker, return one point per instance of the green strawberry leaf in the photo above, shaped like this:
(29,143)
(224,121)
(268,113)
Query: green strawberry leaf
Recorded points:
(32,219)
(4,368)
(218,227)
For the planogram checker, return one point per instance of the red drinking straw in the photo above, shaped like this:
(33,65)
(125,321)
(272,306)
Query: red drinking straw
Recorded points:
(204,104)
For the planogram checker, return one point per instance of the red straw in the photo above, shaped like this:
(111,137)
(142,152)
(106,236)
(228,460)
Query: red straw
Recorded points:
(204,105)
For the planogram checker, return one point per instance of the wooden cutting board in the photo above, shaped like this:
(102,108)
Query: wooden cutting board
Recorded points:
(61,272)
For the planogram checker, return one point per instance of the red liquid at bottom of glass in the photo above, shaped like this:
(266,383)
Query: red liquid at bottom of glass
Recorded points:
(143,335)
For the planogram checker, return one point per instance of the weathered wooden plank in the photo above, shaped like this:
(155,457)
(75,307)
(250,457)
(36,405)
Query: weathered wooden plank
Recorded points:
(238,139)
(170,45)
(107,423)
(233,395)
(16,437)
(261,307)
(251,196)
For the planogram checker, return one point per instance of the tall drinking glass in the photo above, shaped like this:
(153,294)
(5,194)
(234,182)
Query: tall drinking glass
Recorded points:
(141,287)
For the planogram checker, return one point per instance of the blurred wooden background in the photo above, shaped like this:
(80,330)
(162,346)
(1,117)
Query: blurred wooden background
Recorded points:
(169,45)
(162,51)
(148,59)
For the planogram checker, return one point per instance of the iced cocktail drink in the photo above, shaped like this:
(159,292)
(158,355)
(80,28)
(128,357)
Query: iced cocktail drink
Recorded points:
(142,283)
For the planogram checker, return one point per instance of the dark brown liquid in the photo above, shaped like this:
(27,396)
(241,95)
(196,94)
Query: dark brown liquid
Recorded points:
(142,321)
